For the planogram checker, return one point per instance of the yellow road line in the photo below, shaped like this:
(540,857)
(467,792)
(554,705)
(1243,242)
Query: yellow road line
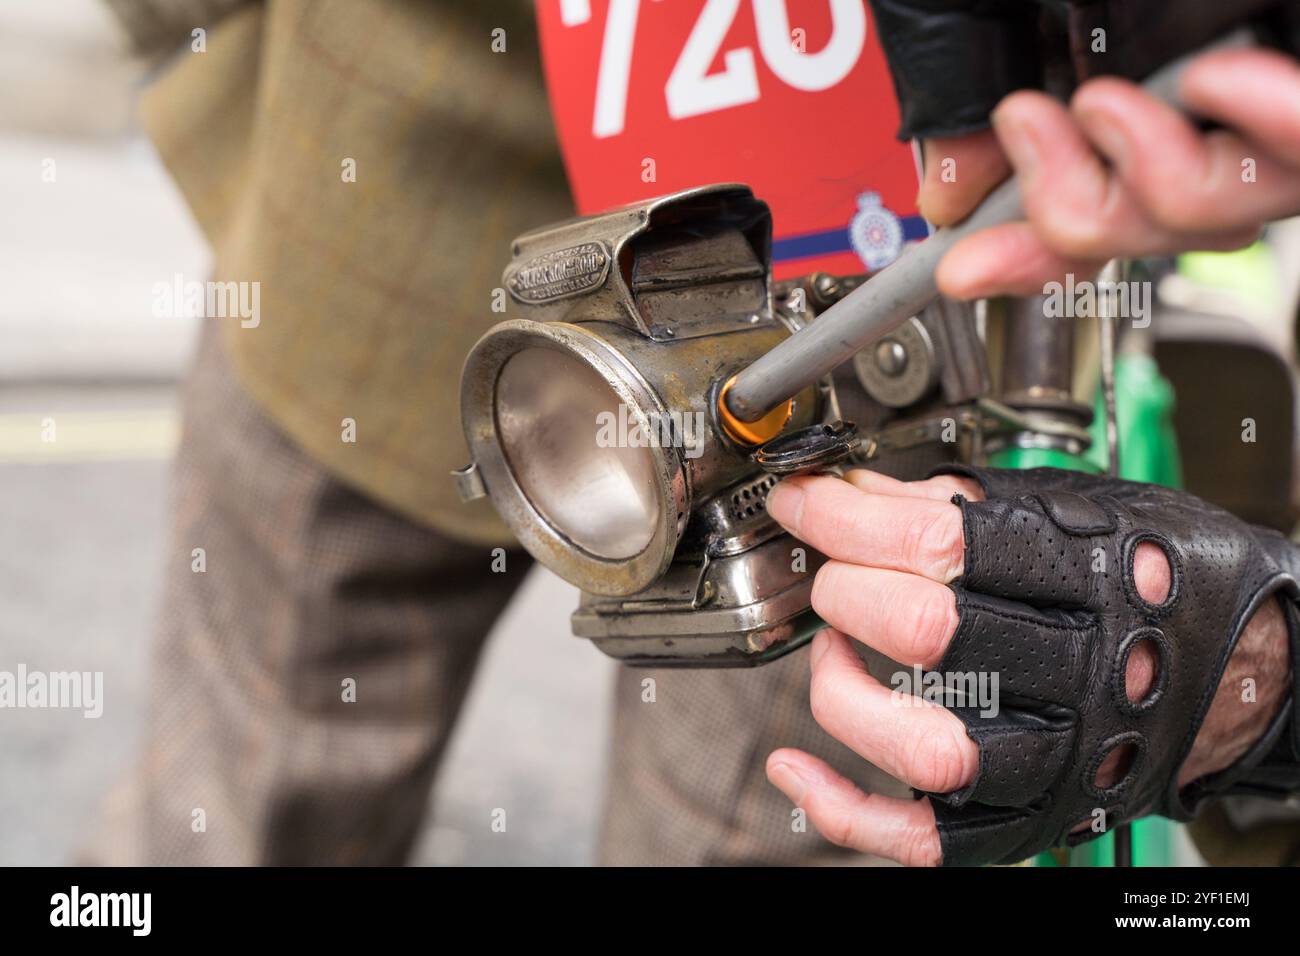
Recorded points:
(71,436)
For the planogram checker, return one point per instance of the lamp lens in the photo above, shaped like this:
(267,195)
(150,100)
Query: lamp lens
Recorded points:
(564,438)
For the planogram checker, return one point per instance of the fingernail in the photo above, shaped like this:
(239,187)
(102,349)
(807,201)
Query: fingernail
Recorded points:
(820,642)
(787,781)
(784,503)
(1017,139)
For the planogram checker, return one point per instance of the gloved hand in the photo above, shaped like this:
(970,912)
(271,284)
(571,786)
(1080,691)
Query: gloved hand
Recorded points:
(1044,595)
(1033,606)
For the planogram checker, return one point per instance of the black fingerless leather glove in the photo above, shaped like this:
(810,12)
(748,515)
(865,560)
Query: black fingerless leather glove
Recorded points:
(953,60)
(1048,602)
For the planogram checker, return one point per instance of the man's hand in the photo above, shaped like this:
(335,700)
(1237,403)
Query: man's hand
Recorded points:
(1119,174)
(894,548)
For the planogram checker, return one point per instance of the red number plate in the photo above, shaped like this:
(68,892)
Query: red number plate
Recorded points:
(792,97)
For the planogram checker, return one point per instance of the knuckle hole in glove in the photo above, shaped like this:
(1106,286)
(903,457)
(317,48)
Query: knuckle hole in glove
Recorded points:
(1141,670)
(1115,764)
(1152,575)
(1151,572)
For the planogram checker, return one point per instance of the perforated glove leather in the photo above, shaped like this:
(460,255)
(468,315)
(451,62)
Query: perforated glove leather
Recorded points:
(1047,600)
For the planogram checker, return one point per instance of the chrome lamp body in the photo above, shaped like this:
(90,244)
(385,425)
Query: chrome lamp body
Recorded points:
(593,422)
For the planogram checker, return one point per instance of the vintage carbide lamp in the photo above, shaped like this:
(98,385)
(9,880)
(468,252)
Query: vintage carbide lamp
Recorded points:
(597,423)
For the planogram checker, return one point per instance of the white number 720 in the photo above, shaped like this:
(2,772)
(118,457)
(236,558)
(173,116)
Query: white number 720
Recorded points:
(689,90)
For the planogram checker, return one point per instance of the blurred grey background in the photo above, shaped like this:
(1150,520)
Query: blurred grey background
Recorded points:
(82,518)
